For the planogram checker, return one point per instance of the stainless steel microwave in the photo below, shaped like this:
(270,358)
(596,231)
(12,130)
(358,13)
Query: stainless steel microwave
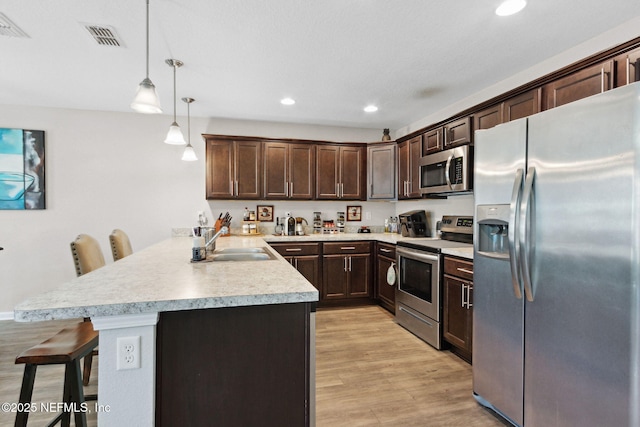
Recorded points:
(448,171)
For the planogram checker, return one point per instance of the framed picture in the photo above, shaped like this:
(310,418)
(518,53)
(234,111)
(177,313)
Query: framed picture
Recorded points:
(22,175)
(265,213)
(354,213)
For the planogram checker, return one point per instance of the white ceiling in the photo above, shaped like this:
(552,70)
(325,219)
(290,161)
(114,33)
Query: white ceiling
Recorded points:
(411,57)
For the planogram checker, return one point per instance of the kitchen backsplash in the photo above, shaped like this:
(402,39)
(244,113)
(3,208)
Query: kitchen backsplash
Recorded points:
(373,213)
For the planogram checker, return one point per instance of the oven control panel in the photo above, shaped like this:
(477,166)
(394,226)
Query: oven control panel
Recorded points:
(457,224)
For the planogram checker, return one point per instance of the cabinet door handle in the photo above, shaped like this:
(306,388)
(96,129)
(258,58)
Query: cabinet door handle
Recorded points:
(628,69)
(385,250)
(236,193)
(291,192)
(349,263)
(464,270)
(296,263)
(345,264)
(231,188)
(602,81)
(286,189)
(293,250)
(347,248)
(463,296)
(342,190)
(337,190)
(469,303)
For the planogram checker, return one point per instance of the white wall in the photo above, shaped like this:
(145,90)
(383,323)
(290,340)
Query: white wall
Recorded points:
(112,170)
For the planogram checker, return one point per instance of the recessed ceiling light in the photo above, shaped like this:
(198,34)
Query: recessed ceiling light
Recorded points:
(287,101)
(510,7)
(370,109)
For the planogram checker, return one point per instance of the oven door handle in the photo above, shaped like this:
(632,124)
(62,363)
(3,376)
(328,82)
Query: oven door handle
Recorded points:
(416,255)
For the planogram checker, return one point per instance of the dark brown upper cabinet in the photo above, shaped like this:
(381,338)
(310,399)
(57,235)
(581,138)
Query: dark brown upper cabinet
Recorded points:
(409,153)
(628,68)
(432,141)
(523,105)
(488,117)
(519,106)
(458,132)
(340,172)
(581,84)
(289,170)
(233,169)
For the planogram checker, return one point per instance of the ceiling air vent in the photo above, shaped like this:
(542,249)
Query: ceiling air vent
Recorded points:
(8,28)
(104,36)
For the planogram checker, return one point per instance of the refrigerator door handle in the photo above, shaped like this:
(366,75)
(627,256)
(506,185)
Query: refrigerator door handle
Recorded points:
(446,171)
(514,243)
(526,213)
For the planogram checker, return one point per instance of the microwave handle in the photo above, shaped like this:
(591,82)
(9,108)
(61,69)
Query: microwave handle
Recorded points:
(446,171)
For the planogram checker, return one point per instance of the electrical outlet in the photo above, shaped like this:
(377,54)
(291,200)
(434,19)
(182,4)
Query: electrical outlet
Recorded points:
(367,215)
(128,352)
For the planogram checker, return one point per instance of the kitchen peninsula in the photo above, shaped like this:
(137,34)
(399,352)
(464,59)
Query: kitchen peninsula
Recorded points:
(231,343)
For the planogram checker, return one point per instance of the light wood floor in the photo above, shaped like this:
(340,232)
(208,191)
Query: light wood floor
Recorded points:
(17,337)
(369,372)
(372,372)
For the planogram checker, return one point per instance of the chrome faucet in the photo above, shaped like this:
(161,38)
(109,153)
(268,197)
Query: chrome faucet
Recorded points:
(212,241)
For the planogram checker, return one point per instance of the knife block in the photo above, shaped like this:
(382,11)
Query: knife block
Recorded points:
(218,226)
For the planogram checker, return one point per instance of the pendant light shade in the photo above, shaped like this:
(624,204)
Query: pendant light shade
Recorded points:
(146,99)
(174,136)
(189,154)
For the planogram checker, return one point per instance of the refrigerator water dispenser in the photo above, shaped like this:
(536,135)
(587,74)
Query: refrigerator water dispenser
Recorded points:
(493,230)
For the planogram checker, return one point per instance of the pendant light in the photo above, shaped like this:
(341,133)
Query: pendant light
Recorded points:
(146,99)
(174,136)
(189,154)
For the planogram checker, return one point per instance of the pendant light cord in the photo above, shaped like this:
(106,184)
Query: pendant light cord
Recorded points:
(174,91)
(189,123)
(147,39)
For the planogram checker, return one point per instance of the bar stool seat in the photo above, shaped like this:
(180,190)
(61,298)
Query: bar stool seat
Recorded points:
(120,244)
(66,347)
(87,256)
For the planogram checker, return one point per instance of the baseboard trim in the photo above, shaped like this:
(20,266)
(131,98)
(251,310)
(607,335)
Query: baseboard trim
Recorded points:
(6,315)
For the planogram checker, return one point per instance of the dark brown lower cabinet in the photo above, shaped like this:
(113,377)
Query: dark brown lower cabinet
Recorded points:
(458,306)
(346,271)
(305,257)
(237,366)
(385,293)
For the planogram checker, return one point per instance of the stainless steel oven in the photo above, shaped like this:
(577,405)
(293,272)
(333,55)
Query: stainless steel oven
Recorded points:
(419,290)
(449,171)
(418,293)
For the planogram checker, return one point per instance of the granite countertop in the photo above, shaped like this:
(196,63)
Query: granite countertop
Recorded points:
(162,278)
(463,250)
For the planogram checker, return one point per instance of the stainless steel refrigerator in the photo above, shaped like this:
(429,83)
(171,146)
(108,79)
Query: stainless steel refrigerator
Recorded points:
(556,311)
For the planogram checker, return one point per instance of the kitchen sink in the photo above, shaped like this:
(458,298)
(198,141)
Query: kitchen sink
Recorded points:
(239,250)
(242,254)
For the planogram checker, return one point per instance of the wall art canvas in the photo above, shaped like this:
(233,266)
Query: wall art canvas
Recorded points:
(22,169)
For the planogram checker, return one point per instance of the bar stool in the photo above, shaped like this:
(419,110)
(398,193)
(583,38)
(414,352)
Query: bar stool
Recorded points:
(87,256)
(66,347)
(120,244)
